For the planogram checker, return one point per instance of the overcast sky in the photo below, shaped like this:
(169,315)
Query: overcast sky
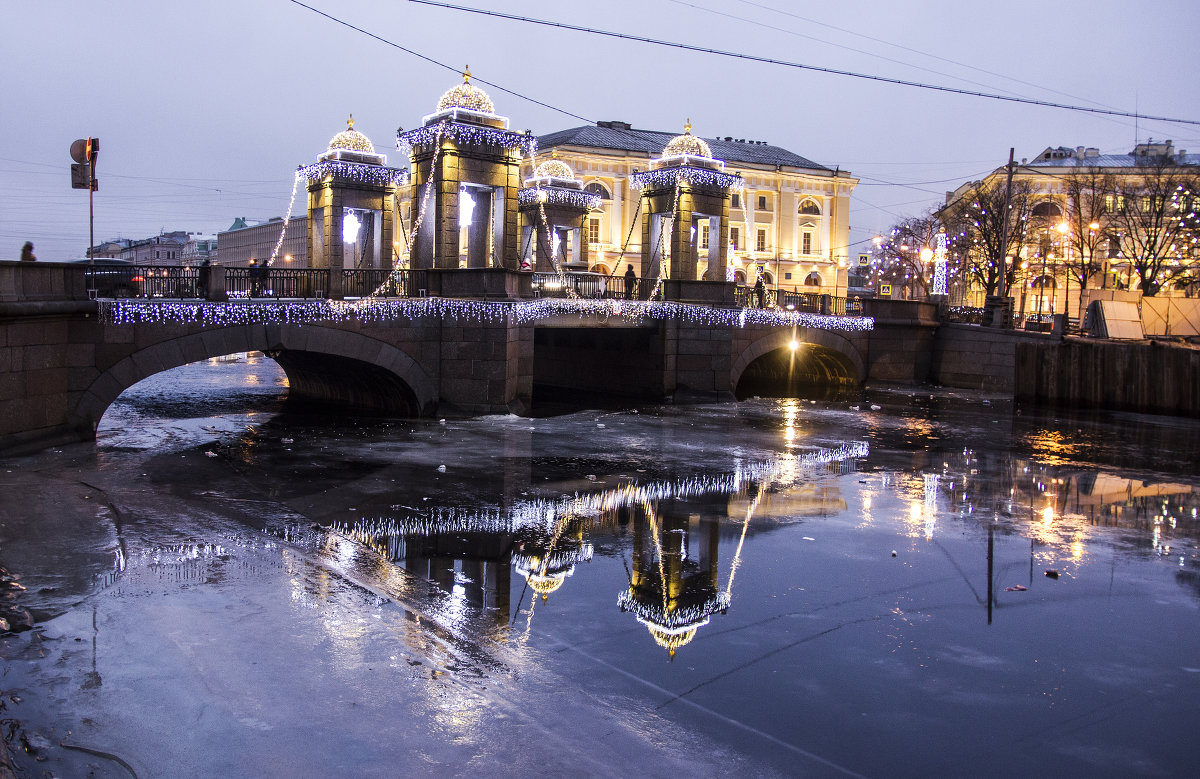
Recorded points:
(204,109)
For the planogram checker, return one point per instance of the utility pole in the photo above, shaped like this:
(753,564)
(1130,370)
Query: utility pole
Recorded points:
(1003,286)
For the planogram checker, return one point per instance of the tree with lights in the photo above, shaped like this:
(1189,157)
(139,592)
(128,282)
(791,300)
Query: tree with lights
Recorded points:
(974,218)
(904,259)
(1152,218)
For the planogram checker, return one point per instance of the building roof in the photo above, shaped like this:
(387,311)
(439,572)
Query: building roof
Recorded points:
(620,136)
(1111,161)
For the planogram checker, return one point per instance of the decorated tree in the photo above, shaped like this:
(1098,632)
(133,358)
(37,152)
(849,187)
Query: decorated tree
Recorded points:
(974,218)
(1152,219)
(903,259)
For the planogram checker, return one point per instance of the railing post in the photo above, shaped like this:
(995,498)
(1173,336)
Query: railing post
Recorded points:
(216,292)
(826,304)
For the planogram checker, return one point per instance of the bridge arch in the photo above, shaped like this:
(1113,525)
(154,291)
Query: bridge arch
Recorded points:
(829,357)
(321,363)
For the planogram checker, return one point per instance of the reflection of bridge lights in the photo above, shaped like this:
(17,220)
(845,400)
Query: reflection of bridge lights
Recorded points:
(793,344)
(1048,515)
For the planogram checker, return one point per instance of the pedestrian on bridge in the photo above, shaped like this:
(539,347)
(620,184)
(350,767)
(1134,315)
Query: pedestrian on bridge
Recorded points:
(255,278)
(760,291)
(27,252)
(630,282)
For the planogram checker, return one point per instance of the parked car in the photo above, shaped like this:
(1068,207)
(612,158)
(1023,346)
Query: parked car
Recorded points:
(111,278)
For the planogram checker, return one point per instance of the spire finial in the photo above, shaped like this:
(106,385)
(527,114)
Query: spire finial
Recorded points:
(350,122)
(687,128)
(467,74)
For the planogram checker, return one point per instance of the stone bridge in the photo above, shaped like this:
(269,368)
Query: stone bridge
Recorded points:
(65,358)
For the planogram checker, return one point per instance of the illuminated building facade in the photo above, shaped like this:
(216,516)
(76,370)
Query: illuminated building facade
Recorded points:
(792,218)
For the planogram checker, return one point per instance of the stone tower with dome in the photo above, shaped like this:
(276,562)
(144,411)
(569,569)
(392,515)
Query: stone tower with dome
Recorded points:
(554,209)
(685,211)
(470,161)
(351,206)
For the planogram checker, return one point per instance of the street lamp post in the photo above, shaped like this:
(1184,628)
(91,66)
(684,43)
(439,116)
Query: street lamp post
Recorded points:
(1063,230)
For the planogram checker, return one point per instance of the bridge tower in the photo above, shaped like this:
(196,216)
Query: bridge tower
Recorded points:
(554,210)
(466,166)
(351,206)
(685,211)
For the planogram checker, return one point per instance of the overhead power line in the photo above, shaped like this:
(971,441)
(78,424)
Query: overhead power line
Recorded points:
(440,64)
(786,63)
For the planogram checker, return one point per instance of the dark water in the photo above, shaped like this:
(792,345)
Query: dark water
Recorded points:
(911,584)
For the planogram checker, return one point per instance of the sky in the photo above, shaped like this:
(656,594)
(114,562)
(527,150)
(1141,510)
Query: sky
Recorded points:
(205,109)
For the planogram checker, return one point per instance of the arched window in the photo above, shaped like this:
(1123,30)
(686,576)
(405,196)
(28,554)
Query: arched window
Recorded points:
(1047,210)
(810,208)
(596,188)
(812,280)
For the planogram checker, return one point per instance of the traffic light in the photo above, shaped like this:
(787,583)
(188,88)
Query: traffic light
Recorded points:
(84,151)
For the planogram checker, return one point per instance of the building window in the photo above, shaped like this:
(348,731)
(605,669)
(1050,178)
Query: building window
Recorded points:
(593,230)
(596,188)
(787,276)
(735,235)
(762,202)
(806,242)
(760,244)
(810,208)
(703,226)
(736,202)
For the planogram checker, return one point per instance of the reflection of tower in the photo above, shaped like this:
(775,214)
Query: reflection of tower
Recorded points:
(673,582)
(472,161)
(684,193)
(547,559)
(351,199)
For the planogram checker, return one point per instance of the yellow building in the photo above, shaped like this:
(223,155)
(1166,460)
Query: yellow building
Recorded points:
(1081,219)
(791,222)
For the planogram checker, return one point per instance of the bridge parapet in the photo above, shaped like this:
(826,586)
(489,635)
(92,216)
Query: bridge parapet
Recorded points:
(23,282)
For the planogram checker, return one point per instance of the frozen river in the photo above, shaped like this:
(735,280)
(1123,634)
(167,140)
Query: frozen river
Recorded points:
(910,583)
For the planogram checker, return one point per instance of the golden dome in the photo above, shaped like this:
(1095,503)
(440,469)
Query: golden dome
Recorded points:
(544,585)
(554,169)
(468,96)
(671,641)
(351,139)
(687,144)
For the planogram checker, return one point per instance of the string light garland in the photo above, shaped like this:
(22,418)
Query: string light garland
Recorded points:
(558,196)
(662,178)
(379,175)
(475,135)
(371,310)
(544,515)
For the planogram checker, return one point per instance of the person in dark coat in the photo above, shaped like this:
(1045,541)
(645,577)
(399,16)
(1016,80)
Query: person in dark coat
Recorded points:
(760,292)
(27,252)
(205,270)
(630,282)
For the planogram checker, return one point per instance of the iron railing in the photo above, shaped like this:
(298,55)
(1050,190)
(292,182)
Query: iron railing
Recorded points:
(145,281)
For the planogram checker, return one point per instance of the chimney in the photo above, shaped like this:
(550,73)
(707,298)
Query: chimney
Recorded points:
(1079,152)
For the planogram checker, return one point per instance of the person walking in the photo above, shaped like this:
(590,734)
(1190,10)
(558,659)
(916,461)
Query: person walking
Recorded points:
(630,282)
(255,282)
(27,252)
(760,291)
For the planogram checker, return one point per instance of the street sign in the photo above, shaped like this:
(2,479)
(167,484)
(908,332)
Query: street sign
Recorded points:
(81,175)
(864,259)
(885,290)
(79,150)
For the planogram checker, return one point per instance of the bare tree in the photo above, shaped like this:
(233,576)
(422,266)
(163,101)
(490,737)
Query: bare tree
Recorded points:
(1088,223)
(1152,218)
(975,221)
(899,258)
